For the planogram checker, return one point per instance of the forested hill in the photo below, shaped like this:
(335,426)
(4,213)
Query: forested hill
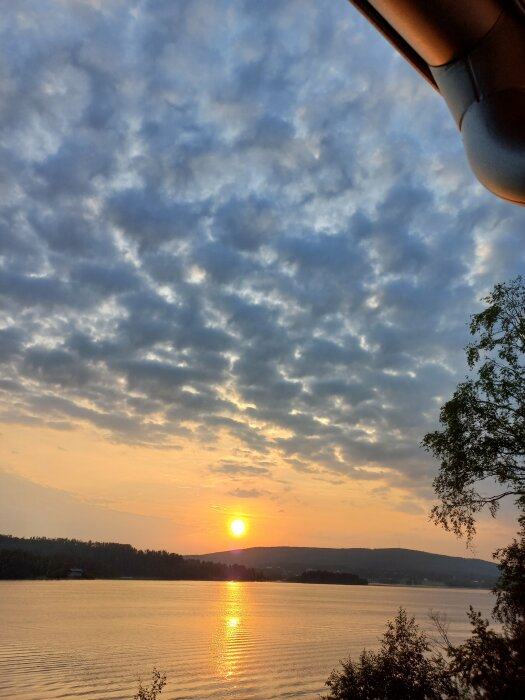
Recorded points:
(53,558)
(377,565)
(35,557)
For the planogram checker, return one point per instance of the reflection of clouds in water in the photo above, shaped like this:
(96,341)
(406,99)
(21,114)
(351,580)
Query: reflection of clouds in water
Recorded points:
(228,642)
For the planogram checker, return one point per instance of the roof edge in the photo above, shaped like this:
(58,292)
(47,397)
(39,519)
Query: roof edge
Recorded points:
(397,41)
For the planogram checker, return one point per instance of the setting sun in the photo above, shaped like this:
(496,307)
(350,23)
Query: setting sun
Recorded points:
(237,527)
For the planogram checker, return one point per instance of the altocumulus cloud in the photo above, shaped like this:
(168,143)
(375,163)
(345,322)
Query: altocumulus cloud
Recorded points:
(235,216)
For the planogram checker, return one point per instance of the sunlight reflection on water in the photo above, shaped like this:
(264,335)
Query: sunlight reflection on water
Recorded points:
(92,639)
(228,646)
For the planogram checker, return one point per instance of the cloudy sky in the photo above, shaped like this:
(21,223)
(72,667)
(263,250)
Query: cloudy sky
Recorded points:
(240,246)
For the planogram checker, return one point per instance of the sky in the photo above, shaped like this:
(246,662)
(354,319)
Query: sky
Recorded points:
(240,246)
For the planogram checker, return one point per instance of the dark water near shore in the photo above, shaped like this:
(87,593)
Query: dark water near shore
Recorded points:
(93,639)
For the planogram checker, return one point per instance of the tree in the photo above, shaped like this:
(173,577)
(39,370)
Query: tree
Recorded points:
(510,588)
(482,444)
(486,666)
(482,453)
(490,665)
(401,670)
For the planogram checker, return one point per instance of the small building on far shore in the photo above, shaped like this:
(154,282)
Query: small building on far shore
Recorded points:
(75,573)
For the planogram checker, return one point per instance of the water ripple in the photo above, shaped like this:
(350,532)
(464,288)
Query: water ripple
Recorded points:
(94,639)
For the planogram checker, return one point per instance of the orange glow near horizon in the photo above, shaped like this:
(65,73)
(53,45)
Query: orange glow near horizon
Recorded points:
(178,501)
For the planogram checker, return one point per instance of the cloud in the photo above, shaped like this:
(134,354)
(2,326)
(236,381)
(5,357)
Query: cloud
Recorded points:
(237,218)
(245,470)
(247,493)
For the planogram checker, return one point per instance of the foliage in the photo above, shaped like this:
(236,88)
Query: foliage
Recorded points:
(17,564)
(510,588)
(483,440)
(402,669)
(482,453)
(54,557)
(489,665)
(158,681)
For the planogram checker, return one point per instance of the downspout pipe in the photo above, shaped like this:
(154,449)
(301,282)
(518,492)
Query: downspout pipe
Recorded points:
(474,52)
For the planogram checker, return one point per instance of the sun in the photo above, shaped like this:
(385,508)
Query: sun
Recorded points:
(238,527)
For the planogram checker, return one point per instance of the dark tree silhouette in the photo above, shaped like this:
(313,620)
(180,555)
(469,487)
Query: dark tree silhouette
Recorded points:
(402,669)
(482,453)
(482,445)
(53,558)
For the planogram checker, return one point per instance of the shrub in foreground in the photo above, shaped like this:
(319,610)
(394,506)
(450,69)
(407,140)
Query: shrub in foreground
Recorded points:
(158,681)
(402,669)
(489,665)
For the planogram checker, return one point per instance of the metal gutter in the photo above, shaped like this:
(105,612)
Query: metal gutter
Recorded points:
(397,41)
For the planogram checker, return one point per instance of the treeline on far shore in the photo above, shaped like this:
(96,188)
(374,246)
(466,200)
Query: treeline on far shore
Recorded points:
(42,557)
(338,577)
(47,558)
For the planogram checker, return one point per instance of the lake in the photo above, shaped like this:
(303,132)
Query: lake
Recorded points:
(93,639)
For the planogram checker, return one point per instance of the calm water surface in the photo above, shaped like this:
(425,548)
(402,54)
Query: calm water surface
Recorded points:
(93,639)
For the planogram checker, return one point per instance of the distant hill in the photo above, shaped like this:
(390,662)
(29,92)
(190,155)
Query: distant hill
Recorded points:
(392,565)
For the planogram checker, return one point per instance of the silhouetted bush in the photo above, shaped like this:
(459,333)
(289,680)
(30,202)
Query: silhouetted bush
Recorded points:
(402,669)
(489,665)
(158,681)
